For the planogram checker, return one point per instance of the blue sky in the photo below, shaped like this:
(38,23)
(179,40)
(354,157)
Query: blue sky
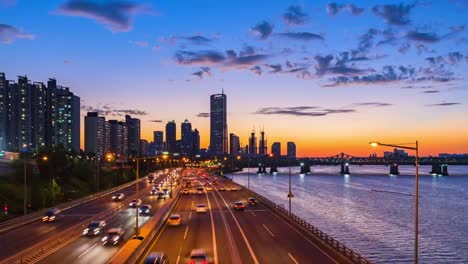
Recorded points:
(329,75)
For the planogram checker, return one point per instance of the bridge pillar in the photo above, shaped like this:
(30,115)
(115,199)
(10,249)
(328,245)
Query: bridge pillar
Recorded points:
(273,169)
(344,168)
(264,169)
(260,169)
(394,169)
(444,169)
(435,169)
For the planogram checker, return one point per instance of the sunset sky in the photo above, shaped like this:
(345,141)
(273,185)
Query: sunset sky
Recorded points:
(329,76)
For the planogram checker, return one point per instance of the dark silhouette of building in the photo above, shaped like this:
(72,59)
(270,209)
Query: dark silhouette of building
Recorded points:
(134,135)
(234,144)
(158,141)
(291,150)
(253,143)
(186,134)
(218,124)
(33,115)
(171,136)
(144,147)
(196,142)
(276,149)
(118,138)
(262,149)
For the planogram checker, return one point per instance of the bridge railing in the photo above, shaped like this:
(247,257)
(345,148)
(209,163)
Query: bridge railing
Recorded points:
(36,216)
(335,244)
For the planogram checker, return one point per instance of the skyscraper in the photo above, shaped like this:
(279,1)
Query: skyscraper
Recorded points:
(234,144)
(253,143)
(276,149)
(158,139)
(262,149)
(118,138)
(171,136)
(291,150)
(67,120)
(3,113)
(95,134)
(134,135)
(186,144)
(218,124)
(196,142)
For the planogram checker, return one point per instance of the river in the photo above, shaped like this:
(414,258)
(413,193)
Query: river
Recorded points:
(373,213)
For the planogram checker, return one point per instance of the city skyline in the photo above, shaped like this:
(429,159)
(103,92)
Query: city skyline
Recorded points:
(329,77)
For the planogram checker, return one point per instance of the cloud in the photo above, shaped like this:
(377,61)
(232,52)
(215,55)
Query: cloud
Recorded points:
(203,57)
(67,62)
(8,34)
(131,112)
(397,15)
(139,43)
(247,61)
(443,104)
(428,37)
(311,111)
(256,70)
(263,29)
(451,58)
(430,91)
(198,39)
(154,121)
(354,10)
(334,8)
(274,68)
(204,115)
(304,36)
(375,104)
(115,15)
(338,65)
(202,72)
(108,111)
(295,16)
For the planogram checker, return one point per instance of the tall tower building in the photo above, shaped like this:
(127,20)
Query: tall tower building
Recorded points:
(234,144)
(158,139)
(118,138)
(134,135)
(3,111)
(262,150)
(186,144)
(291,150)
(276,149)
(196,142)
(95,134)
(67,120)
(253,143)
(218,124)
(171,136)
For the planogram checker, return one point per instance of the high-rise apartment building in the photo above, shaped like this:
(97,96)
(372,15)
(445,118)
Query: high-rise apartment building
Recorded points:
(276,149)
(186,134)
(95,134)
(33,115)
(234,144)
(158,141)
(218,124)
(291,150)
(252,144)
(134,135)
(144,144)
(171,136)
(118,138)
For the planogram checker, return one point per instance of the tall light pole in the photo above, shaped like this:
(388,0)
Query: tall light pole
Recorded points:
(248,173)
(290,194)
(416,186)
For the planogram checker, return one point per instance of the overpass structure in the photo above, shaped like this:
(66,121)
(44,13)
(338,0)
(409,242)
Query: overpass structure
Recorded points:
(261,233)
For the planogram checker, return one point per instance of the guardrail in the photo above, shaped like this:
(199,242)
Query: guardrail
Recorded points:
(51,245)
(330,241)
(26,219)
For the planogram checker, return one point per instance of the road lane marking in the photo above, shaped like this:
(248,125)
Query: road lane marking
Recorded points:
(215,249)
(252,213)
(268,230)
(86,251)
(178,258)
(186,231)
(252,254)
(190,216)
(293,259)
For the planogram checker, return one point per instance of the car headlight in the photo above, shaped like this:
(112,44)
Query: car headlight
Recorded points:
(147,211)
(85,231)
(116,238)
(104,239)
(51,218)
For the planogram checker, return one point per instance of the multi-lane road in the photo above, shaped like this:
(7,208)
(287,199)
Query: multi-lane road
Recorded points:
(255,235)
(18,240)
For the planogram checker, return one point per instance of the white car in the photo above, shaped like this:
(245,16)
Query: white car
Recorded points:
(135,203)
(201,208)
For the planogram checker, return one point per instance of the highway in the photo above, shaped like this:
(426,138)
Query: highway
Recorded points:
(19,239)
(255,235)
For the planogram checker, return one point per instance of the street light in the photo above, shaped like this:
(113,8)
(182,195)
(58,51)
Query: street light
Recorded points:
(416,198)
(290,194)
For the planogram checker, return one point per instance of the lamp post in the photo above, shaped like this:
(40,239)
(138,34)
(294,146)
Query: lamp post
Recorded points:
(416,186)
(290,194)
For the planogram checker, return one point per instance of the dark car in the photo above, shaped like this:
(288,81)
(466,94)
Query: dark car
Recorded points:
(161,195)
(252,201)
(50,215)
(239,206)
(145,209)
(94,228)
(113,236)
(156,258)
